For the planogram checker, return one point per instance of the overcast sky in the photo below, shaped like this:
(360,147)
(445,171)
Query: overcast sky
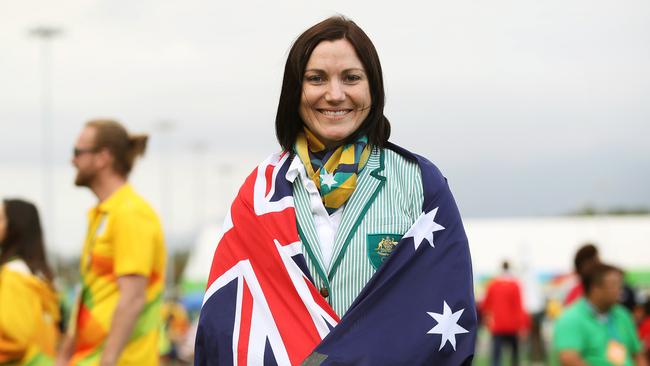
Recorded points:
(528,107)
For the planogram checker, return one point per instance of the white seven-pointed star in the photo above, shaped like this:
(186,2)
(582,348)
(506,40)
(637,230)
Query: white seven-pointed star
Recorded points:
(328,179)
(447,325)
(424,228)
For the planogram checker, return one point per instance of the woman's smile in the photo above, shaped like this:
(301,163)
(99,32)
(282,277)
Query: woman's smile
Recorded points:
(335,113)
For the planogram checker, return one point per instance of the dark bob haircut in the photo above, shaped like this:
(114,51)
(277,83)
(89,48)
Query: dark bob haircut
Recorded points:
(287,120)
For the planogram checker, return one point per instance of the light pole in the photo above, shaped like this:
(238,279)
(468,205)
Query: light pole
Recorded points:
(199,148)
(164,128)
(45,34)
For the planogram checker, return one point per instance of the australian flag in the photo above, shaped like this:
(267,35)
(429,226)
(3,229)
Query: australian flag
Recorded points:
(261,307)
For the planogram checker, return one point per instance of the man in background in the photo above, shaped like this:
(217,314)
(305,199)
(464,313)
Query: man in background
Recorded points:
(117,319)
(584,258)
(503,312)
(596,330)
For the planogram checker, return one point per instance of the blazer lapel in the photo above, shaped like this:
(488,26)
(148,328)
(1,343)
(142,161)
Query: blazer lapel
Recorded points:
(368,186)
(307,228)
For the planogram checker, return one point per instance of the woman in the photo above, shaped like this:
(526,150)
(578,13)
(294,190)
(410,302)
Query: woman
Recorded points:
(29,310)
(345,248)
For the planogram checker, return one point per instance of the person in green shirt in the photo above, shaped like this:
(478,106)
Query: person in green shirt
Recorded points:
(596,330)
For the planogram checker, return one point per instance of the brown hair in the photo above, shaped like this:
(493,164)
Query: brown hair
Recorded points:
(585,255)
(124,147)
(287,120)
(24,238)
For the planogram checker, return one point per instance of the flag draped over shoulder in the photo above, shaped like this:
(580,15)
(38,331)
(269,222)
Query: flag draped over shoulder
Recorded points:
(418,308)
(261,307)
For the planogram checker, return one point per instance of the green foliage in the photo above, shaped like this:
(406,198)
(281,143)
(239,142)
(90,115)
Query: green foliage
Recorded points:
(589,210)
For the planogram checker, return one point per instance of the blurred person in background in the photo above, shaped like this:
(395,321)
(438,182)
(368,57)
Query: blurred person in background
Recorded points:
(628,296)
(118,316)
(596,330)
(176,324)
(29,307)
(503,312)
(534,303)
(644,328)
(584,257)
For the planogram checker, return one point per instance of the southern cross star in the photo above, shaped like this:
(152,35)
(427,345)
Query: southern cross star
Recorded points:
(328,179)
(424,228)
(447,325)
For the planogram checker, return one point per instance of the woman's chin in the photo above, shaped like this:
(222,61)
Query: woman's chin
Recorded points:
(333,141)
(336,134)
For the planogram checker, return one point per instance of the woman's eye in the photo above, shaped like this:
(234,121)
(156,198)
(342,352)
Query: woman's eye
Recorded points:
(314,78)
(352,78)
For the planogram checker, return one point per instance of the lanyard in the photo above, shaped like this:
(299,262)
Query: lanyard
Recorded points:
(608,320)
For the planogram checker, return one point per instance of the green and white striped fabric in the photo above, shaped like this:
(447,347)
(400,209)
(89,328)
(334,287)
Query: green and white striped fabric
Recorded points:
(387,201)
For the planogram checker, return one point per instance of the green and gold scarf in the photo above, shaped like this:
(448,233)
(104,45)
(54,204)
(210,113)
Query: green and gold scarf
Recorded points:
(333,171)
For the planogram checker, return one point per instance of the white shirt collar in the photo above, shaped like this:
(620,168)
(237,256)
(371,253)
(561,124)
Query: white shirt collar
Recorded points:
(295,169)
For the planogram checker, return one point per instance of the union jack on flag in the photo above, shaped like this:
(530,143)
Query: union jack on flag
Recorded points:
(262,308)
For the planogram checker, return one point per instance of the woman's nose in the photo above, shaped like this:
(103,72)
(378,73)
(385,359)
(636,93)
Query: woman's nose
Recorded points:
(335,92)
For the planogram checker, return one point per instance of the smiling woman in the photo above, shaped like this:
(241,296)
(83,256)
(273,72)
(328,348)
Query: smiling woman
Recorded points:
(333,63)
(329,247)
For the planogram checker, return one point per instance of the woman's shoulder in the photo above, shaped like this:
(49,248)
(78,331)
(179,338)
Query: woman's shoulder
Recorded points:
(17,270)
(17,265)
(399,158)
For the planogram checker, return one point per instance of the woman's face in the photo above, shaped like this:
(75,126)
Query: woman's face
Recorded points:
(3,222)
(335,92)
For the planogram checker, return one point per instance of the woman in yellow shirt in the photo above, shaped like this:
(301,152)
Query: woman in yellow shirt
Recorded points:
(29,308)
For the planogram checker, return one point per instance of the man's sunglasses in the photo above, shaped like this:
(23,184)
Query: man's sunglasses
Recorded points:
(76,152)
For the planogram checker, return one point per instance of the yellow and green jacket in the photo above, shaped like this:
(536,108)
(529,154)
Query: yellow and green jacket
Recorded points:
(29,314)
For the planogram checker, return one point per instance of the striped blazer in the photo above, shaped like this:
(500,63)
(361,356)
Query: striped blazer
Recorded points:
(387,201)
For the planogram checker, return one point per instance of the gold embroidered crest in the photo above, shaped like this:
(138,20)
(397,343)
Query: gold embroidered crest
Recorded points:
(380,247)
(386,246)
